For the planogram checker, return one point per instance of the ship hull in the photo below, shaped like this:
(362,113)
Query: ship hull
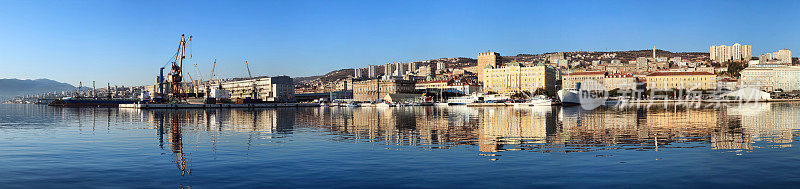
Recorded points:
(91,102)
(568,97)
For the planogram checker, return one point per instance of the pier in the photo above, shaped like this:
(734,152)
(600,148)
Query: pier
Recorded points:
(209,106)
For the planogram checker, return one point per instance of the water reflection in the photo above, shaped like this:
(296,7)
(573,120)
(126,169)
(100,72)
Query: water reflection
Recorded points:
(734,128)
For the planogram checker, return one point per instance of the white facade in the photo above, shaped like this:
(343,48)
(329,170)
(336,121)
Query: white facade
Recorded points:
(736,52)
(771,77)
(271,89)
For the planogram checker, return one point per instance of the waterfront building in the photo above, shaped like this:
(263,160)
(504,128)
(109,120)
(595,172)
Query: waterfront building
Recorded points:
(682,80)
(619,81)
(771,77)
(514,78)
(571,80)
(460,86)
(371,90)
(487,60)
(270,89)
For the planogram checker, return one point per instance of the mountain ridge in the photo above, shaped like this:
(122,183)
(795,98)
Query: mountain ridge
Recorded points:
(10,87)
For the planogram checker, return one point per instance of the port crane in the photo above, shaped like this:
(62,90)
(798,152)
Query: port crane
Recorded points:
(253,93)
(175,78)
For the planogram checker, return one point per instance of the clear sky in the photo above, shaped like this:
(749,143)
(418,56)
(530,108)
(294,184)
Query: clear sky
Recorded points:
(125,42)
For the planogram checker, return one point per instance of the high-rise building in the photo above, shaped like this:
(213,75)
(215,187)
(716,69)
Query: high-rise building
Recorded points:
(388,70)
(357,73)
(487,60)
(372,71)
(400,69)
(412,67)
(723,53)
(736,52)
(783,56)
(747,52)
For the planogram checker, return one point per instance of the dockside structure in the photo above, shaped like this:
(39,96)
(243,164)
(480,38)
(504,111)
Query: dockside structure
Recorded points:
(269,89)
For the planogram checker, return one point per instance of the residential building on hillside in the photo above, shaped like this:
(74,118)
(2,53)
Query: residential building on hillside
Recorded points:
(372,71)
(736,52)
(783,56)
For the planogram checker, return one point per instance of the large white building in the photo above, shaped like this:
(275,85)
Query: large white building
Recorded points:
(270,89)
(771,77)
(736,52)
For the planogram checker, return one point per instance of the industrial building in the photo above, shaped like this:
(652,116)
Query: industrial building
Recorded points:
(269,89)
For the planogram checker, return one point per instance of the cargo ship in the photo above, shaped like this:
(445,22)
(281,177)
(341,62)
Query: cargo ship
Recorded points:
(91,102)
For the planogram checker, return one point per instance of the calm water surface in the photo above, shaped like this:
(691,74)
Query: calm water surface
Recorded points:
(749,146)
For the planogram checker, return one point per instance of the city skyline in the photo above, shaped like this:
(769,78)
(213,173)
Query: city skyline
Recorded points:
(125,43)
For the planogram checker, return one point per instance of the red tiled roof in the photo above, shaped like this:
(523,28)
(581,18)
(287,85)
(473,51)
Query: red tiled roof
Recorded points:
(679,73)
(619,75)
(586,73)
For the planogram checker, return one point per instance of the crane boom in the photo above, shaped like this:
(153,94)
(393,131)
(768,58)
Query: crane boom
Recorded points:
(248,69)
(212,70)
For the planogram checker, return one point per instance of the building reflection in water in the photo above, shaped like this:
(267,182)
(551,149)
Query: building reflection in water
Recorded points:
(172,126)
(567,129)
(539,129)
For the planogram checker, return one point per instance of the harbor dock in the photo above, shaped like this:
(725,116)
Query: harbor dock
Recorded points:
(208,106)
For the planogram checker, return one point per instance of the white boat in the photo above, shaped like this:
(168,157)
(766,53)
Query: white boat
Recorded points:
(440,104)
(353,104)
(541,101)
(464,100)
(537,101)
(522,104)
(384,105)
(568,96)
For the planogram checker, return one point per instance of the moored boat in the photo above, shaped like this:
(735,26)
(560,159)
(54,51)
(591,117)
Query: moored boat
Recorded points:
(91,102)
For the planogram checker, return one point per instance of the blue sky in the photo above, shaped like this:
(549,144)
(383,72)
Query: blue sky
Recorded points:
(125,42)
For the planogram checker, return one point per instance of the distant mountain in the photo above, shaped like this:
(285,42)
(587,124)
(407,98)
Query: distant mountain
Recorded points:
(10,88)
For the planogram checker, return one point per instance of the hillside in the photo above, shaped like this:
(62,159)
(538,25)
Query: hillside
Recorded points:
(10,88)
